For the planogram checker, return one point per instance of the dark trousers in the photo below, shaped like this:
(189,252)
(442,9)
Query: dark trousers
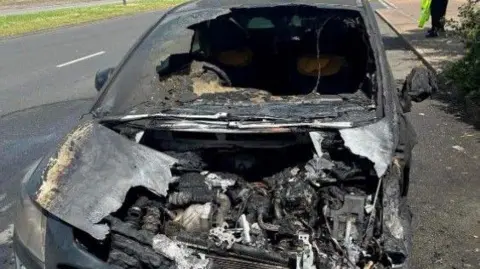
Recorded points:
(438,9)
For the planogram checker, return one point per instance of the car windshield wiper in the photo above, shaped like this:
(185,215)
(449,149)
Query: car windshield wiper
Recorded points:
(222,116)
(213,126)
(223,120)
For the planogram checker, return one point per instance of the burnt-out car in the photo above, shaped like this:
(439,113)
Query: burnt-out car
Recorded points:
(257,134)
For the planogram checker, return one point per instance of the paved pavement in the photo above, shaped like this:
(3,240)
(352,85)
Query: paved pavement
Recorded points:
(402,16)
(445,177)
(411,8)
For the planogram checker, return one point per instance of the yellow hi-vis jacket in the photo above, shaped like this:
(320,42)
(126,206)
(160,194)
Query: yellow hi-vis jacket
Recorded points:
(425,12)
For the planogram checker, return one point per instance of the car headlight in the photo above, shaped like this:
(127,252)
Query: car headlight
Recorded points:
(30,222)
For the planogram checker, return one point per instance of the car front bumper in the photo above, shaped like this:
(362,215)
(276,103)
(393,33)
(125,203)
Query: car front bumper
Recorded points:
(61,251)
(24,259)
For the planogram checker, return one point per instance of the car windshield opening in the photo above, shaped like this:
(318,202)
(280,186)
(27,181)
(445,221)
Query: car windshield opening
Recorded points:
(253,56)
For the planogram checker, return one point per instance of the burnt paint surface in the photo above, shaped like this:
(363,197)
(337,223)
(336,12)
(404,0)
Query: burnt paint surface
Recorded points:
(397,218)
(375,142)
(95,167)
(94,175)
(205,4)
(299,112)
(202,92)
(26,136)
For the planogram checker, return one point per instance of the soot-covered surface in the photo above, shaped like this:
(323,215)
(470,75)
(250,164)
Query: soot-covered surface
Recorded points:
(197,90)
(305,206)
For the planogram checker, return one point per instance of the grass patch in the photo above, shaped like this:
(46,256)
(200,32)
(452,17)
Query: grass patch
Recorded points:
(11,25)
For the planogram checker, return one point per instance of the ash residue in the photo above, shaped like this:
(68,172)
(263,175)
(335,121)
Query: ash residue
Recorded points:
(181,86)
(205,83)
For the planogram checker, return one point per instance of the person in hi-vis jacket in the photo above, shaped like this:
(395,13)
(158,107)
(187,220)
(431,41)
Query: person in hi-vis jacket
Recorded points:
(438,9)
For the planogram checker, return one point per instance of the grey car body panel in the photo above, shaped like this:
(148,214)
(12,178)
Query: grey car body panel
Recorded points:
(373,141)
(206,4)
(93,171)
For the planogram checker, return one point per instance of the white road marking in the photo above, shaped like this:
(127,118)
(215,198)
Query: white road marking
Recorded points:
(81,59)
(6,235)
(5,208)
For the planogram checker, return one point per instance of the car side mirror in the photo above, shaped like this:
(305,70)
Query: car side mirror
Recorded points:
(102,76)
(420,84)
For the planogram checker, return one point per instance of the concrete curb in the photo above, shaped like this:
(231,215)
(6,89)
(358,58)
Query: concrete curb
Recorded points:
(409,44)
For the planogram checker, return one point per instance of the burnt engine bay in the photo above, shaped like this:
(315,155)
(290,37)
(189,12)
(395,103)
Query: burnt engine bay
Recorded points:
(286,205)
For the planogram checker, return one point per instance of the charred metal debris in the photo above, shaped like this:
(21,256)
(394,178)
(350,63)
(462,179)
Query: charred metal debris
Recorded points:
(307,204)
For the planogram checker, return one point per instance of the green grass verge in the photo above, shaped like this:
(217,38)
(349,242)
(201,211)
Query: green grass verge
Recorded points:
(11,25)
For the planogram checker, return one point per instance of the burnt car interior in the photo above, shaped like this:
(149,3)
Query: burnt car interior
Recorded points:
(261,200)
(284,51)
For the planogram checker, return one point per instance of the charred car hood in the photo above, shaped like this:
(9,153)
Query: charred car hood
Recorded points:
(93,169)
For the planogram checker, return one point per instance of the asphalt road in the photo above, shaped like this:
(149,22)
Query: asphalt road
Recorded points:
(444,194)
(37,69)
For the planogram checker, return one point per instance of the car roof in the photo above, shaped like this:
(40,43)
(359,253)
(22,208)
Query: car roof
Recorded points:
(219,4)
